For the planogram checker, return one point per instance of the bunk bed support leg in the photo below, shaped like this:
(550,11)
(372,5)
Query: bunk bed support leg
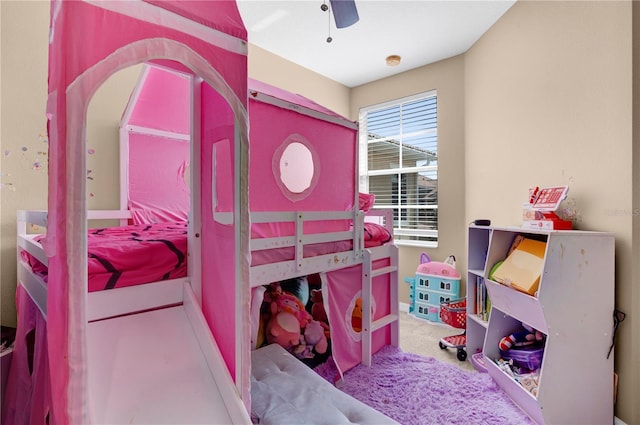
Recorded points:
(394,299)
(367,294)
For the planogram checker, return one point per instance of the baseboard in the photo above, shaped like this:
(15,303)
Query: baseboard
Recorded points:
(404,307)
(617,421)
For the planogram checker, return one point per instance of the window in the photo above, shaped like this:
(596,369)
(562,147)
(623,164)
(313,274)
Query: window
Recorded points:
(399,164)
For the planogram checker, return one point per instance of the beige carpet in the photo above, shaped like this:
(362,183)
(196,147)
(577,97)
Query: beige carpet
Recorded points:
(420,336)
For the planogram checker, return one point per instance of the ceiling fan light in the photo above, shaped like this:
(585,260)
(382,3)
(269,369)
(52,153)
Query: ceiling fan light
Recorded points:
(393,60)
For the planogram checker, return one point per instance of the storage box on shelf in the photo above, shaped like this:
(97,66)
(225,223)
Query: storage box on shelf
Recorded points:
(572,307)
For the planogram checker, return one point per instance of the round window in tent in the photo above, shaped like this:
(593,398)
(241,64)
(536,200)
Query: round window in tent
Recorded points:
(296,167)
(353,316)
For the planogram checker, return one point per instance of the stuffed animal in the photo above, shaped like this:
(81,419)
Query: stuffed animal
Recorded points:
(284,329)
(317,308)
(527,336)
(314,339)
(314,336)
(288,303)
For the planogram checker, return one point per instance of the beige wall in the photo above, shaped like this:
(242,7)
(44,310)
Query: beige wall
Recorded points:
(549,101)
(23,48)
(23,140)
(279,72)
(545,97)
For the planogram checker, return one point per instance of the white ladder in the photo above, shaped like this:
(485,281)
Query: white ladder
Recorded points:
(368,273)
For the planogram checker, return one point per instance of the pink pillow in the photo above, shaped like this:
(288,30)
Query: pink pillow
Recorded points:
(366,201)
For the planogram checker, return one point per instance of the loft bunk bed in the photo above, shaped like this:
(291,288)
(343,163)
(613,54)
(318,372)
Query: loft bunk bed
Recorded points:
(235,236)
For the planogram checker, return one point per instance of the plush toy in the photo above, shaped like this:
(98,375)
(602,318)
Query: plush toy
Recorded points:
(283,329)
(527,336)
(317,308)
(314,336)
(288,303)
(313,339)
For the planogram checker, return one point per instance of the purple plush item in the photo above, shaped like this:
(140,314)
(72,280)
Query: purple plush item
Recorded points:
(415,390)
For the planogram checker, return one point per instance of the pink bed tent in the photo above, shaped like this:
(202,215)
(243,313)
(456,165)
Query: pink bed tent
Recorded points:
(276,117)
(333,143)
(89,41)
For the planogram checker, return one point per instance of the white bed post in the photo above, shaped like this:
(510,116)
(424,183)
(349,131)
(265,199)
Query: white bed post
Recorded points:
(124,142)
(367,294)
(194,260)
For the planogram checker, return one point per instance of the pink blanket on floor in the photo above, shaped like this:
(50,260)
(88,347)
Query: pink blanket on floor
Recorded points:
(131,255)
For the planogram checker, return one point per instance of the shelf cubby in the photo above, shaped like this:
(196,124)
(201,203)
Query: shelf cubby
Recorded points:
(573,307)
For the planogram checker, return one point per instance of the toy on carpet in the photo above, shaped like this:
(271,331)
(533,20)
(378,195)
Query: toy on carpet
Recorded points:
(524,337)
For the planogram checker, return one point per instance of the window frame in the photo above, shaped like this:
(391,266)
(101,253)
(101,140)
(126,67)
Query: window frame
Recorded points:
(428,238)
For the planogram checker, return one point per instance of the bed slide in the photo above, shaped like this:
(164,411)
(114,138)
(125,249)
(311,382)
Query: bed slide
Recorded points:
(160,366)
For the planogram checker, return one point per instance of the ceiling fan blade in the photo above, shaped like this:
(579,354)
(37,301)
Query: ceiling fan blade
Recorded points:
(344,12)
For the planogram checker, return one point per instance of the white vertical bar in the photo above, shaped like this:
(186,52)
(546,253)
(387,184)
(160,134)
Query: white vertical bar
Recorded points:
(299,238)
(367,293)
(194,261)
(124,141)
(393,297)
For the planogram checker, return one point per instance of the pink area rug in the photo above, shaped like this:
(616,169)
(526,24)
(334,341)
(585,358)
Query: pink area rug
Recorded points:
(417,390)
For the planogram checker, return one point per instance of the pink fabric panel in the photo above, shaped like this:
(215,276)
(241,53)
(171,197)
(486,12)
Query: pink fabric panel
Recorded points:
(27,398)
(344,287)
(163,102)
(218,240)
(334,148)
(224,17)
(76,25)
(259,86)
(223,180)
(158,173)
(334,145)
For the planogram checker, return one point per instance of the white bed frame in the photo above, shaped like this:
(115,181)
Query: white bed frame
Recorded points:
(121,301)
(300,266)
(168,314)
(174,307)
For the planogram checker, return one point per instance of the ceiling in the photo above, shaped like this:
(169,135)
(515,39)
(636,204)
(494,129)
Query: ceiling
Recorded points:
(420,31)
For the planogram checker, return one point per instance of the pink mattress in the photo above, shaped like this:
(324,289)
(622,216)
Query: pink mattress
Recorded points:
(143,253)
(130,255)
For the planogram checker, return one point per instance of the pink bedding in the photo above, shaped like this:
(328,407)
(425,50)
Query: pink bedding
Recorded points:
(131,255)
(143,253)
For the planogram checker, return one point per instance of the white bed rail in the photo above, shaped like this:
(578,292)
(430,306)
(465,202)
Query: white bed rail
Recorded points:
(301,265)
(100,304)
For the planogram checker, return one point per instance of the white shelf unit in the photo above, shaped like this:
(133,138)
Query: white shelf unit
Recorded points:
(573,307)
(477,256)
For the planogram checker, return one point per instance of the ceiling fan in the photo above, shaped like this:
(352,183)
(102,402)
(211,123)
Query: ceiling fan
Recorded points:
(345,12)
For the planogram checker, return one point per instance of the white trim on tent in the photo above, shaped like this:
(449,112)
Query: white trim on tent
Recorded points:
(265,98)
(147,12)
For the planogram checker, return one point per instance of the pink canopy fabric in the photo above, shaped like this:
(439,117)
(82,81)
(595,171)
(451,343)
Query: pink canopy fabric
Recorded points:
(344,290)
(88,42)
(29,400)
